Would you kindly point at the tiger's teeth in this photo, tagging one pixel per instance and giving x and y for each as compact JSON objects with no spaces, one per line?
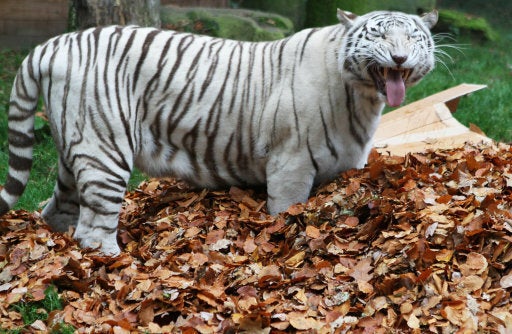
{"x":385,"y":72}
{"x":405,"y":74}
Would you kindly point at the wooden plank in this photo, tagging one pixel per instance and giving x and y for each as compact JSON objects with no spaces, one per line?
{"x":427,"y":123}
{"x":422,"y":113}
{"x":442,"y":97}
{"x":431,"y":117}
{"x":397,"y":123}
{"x":452,"y":141}
{"x":417,"y":131}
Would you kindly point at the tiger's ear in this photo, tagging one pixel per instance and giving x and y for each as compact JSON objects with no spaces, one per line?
{"x":430,"y":19}
{"x":346,"y":18}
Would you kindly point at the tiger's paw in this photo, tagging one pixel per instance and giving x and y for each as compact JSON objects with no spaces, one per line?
{"x":104,"y":243}
{"x":106,"y":248}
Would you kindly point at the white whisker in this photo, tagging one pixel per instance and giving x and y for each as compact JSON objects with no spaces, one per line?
{"x":443,"y":47}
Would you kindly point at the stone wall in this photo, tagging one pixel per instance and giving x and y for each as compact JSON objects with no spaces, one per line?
{"x":26,"y":23}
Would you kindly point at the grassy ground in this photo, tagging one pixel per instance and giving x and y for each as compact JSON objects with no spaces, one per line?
{"x":43,"y":174}
{"x":488,"y":63}
{"x":477,"y":62}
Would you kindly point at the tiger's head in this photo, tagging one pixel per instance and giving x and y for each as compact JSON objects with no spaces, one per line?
{"x":388,"y":50}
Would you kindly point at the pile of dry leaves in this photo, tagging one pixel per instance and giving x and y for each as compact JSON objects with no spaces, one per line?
{"x":421,"y":243}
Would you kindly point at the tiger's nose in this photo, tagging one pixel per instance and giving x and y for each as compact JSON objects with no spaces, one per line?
{"x":399,"y":59}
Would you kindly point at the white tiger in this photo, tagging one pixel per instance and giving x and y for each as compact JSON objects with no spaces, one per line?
{"x":287,"y":114}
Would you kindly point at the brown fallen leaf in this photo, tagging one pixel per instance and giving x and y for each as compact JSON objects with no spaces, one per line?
{"x":300,"y":321}
{"x":407,"y":244}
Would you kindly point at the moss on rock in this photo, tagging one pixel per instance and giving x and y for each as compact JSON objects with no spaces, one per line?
{"x":238,"y":24}
{"x":458,"y":23}
{"x":323,"y":12}
{"x":292,"y":9}
{"x":411,"y":6}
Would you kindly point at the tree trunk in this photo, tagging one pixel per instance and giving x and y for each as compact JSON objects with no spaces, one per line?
{"x":91,"y":13}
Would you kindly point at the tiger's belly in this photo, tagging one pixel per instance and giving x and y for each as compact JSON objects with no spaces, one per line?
{"x":201,"y":168}
{"x":348,"y":156}
{"x":223,"y":165}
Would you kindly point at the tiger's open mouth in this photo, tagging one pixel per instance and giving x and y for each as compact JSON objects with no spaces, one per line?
{"x":390,"y":82}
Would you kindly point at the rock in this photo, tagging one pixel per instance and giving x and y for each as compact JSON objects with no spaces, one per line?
{"x":458,"y":23}
{"x":293,"y":9}
{"x":238,"y":24}
{"x":323,"y":12}
{"x":411,"y":7}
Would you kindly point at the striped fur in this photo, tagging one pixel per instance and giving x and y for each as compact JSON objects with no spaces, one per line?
{"x":286,"y":114}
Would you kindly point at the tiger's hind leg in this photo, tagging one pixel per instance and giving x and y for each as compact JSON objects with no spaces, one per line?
{"x":101,"y":191}
{"x":62,"y":210}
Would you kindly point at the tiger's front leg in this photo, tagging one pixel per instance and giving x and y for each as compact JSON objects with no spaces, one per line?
{"x":98,"y":230}
{"x":289,"y":181}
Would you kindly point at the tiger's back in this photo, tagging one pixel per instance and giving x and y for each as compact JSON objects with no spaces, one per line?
{"x":226,"y":98}
{"x":215,"y":112}
{"x":200,"y":96}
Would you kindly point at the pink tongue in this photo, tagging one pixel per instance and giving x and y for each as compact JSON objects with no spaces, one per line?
{"x":395,"y":88}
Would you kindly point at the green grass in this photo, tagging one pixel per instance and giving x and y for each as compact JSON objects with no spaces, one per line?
{"x":44,"y":169}
{"x":31,"y":311}
{"x":478,"y":62}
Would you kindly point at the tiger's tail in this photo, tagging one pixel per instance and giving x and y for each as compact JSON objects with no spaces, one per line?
{"x":22,"y":108}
